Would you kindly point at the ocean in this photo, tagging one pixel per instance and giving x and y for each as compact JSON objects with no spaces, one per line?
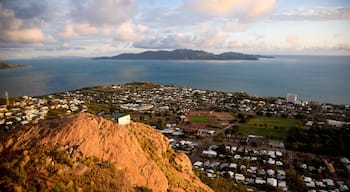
{"x":313,"y":78}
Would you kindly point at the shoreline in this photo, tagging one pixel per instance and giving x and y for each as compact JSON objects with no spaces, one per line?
{"x":7,"y":66}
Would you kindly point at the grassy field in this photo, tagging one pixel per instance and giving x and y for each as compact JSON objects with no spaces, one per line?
{"x":199,"y":119}
{"x":275,"y":128}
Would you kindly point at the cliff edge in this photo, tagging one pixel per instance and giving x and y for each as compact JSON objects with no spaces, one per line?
{"x":84,"y":152}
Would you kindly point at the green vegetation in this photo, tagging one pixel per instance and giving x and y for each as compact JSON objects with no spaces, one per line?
{"x":271,"y":127}
{"x":95,"y":108}
{"x":199,"y":119}
{"x":221,"y":184}
{"x":328,"y":141}
{"x":219,"y":137}
{"x":54,"y":113}
{"x":43,"y":169}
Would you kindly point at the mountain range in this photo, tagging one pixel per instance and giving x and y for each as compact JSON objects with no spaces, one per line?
{"x":184,"y":54}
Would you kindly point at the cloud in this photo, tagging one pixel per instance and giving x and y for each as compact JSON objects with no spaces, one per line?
{"x":239,"y":44}
{"x":68,"y":32}
{"x":243,"y":9}
{"x":62,"y":47}
{"x":27,"y":9}
{"x":129,"y":31}
{"x":235,"y":25}
{"x":292,"y":39}
{"x":112,"y":18}
{"x":103,"y":12}
{"x":338,"y":35}
{"x":32,"y":35}
{"x":14,"y":30}
{"x":206,"y":38}
{"x":313,"y":14}
{"x":170,"y":16}
{"x":171,"y":41}
{"x":35,"y":13}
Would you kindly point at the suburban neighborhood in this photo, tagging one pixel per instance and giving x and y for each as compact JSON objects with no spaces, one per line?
{"x":248,"y":140}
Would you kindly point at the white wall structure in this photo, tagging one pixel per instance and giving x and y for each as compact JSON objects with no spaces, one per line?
{"x":122,"y":119}
{"x":292,"y":98}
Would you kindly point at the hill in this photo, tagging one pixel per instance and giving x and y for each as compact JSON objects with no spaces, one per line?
{"x":184,"y":54}
{"x":84,"y":152}
{"x":5,"y":65}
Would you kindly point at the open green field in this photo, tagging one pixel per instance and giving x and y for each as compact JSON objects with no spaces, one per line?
{"x":199,"y":119}
{"x":272,"y":127}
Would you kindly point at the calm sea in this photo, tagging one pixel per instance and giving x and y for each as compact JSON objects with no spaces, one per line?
{"x":312,"y":78}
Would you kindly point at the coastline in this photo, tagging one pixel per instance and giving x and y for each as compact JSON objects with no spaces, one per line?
{"x":319,"y":79}
{"x":8,"y":66}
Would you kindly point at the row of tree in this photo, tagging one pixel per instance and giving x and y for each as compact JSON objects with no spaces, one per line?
{"x":328,"y":141}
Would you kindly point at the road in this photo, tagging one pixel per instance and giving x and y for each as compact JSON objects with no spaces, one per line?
{"x":203,"y":144}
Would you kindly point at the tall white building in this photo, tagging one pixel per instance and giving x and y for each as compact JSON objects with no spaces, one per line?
{"x":292,"y":98}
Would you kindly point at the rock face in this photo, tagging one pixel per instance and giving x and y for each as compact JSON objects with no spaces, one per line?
{"x":141,"y":153}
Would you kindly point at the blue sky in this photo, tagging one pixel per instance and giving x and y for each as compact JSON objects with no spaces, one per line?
{"x":32,"y":28}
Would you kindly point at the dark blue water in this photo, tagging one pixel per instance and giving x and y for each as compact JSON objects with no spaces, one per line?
{"x":313,"y":78}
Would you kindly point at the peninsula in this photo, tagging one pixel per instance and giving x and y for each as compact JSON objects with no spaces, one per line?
{"x":185,"y":54}
{"x":5,"y":65}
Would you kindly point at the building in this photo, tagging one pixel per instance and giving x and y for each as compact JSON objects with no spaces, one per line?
{"x":255,"y":140}
{"x":292,"y":98}
{"x":122,"y":119}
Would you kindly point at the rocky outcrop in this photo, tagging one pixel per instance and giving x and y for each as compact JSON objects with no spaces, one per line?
{"x":141,"y":153}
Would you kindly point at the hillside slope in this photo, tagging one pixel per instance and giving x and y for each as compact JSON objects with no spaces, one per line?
{"x":84,"y":152}
{"x":184,"y":54}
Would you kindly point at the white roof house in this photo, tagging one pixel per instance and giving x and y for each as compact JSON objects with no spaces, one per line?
{"x":282,"y":184}
{"x":270,"y":172}
{"x":272,"y":181}
{"x":233,"y":165}
{"x":239,"y":177}
{"x":198,"y":164}
{"x":210,"y":153}
{"x":259,"y":180}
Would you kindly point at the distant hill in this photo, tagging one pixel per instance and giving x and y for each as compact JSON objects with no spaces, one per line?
{"x":184,"y":54}
{"x":84,"y":152}
{"x":5,"y":65}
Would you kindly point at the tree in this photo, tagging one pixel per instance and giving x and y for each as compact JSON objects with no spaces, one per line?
{"x":296,"y":182}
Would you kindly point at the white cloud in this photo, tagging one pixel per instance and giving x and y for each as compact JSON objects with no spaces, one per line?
{"x":313,"y":14}
{"x":103,"y":12}
{"x":13,"y":30}
{"x":85,"y":29}
{"x":205,"y":38}
{"x":237,"y":44}
{"x":243,"y":9}
{"x":171,"y":41}
{"x":129,"y":31}
{"x":68,"y":32}
{"x":235,"y":25}
{"x":292,"y":39}
{"x":32,"y":35}
{"x":112,"y":18}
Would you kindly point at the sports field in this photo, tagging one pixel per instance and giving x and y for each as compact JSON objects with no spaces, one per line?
{"x":272,"y":127}
{"x":199,"y":119}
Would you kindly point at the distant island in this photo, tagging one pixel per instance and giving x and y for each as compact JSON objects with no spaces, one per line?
{"x":5,"y":65}
{"x":184,"y":54}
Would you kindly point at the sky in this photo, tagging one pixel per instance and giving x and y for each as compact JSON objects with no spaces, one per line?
{"x":35,"y":28}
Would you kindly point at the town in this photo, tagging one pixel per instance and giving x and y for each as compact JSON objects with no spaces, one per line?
{"x":259,"y":143}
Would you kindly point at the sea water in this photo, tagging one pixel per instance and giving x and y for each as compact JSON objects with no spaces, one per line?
{"x":312,"y":78}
